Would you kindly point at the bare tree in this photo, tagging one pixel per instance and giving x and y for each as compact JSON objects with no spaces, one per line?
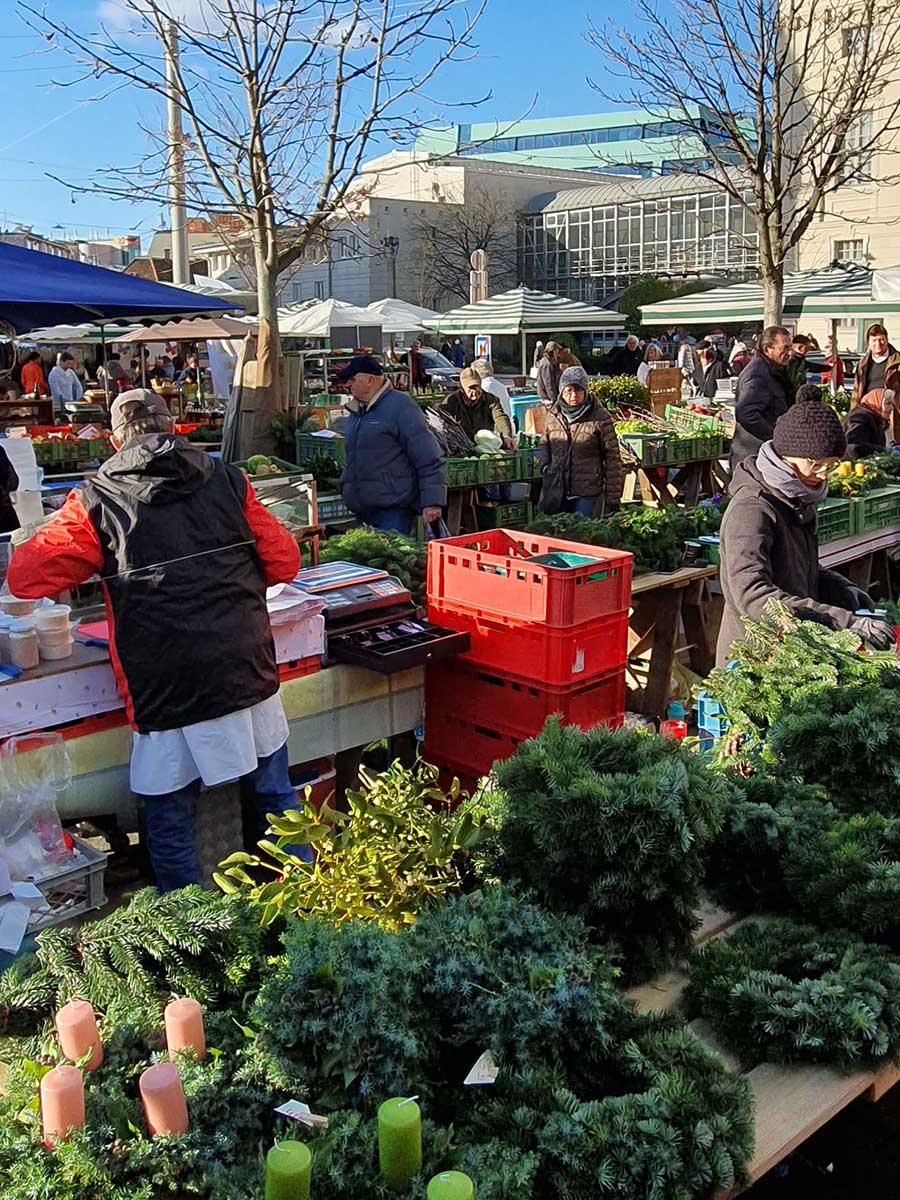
{"x":281,"y":102}
{"x":446,"y":237}
{"x":779,"y":102}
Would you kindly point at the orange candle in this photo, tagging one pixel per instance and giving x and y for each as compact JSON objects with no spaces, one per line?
{"x":78,"y":1036}
{"x":184,"y":1027}
{"x":162,"y":1095}
{"x":62,"y":1104}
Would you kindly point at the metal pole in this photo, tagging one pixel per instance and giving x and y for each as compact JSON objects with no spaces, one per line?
{"x":524,"y":354}
{"x":834,"y":356}
{"x":105,"y":364}
{"x":177,"y":208}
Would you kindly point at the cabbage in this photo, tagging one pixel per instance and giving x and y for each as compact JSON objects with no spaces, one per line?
{"x":488,"y":441}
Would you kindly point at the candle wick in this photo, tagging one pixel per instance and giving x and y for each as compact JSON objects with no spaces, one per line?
{"x":408,"y":1100}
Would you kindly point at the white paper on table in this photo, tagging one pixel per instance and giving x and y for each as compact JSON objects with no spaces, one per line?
{"x":13,"y":923}
{"x":291,"y":604}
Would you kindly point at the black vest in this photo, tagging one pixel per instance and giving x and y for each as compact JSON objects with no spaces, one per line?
{"x":185,"y":583}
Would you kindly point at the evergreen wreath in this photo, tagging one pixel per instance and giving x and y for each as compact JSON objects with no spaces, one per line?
{"x":612,"y":827}
{"x":785,"y":992}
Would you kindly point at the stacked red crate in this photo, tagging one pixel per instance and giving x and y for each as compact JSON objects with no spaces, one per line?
{"x":548,"y":622}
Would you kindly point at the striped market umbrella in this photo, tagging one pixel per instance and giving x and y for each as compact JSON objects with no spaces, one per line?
{"x":523,"y":311}
{"x":841,"y":290}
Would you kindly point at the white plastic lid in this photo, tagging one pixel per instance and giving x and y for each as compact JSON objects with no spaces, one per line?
{"x":20,"y":626}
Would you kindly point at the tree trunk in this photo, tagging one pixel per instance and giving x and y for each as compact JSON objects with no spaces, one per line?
{"x":773,"y":297}
{"x":261,"y":394}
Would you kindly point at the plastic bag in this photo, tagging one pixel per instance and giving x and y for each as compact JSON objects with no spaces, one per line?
{"x":436,"y":530}
{"x":36,"y":769}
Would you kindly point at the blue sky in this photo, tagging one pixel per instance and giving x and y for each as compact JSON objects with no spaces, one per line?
{"x":532,"y":55}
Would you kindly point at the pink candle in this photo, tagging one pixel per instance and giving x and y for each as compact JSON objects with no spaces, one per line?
{"x":184,"y":1027}
{"x":62,"y":1104}
{"x":162,"y":1095}
{"x":78,"y":1035}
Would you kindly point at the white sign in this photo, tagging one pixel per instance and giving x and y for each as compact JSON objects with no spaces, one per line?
{"x":483,"y":345}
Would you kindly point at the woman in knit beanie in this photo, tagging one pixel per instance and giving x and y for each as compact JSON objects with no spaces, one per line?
{"x":769,"y":548}
{"x":579,"y":452}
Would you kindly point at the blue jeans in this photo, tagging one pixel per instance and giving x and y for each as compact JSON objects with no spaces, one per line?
{"x":389,"y":518}
{"x":583,"y":505}
{"x":170,"y":819}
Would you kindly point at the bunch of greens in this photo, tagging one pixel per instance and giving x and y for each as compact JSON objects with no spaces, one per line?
{"x":851,"y":479}
{"x":840,"y":401}
{"x":127,"y":964}
{"x":619,"y":391}
{"x":398,"y":850}
{"x":634,"y":427}
{"x":782,"y":991}
{"x":385,"y":550}
{"x":613,"y":827}
{"x":782,"y":659}
{"x":325,"y":469}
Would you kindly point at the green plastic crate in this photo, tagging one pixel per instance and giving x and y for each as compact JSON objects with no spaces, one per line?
{"x":500,"y":470}
{"x":464,"y":472}
{"x":514,"y":515}
{"x":310,"y":443}
{"x":836,"y":519}
{"x":284,"y":468}
{"x":692,"y":422}
{"x":528,"y":465}
{"x":877,"y":509}
{"x":332,"y":508}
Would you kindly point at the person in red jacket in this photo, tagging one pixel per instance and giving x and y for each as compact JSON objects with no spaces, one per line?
{"x":185,"y":552}
{"x":32,"y":376}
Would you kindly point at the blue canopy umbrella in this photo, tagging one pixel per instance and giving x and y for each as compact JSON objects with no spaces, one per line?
{"x":42,"y":289}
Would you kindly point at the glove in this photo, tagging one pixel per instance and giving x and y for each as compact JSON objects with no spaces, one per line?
{"x":876,"y":634}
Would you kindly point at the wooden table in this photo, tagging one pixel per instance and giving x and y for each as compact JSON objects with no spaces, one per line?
{"x":864,"y":559}
{"x":790,"y":1101}
{"x":662,"y":604}
{"x":690,"y":483}
{"x":36,"y":412}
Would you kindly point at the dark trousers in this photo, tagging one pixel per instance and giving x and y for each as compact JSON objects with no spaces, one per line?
{"x":399,"y":519}
{"x":171,"y":819}
{"x":583,"y":505}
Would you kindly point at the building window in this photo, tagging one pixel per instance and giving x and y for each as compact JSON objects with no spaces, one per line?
{"x":319,"y":289}
{"x":348,"y":245}
{"x":859,"y":150}
{"x":850,"y":250}
{"x":856,"y":40}
{"x":297,"y":292}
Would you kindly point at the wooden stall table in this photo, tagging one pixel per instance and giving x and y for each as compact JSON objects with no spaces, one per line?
{"x":790,"y":1101}
{"x":662,"y":604}
{"x":26,"y":411}
{"x":461,"y":515}
{"x":863,"y":558}
{"x":690,"y":483}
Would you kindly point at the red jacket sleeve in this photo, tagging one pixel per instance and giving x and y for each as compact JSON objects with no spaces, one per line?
{"x":64,"y":553}
{"x":277,"y":549}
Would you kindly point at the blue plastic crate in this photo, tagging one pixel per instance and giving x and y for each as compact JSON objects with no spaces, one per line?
{"x":711,"y":717}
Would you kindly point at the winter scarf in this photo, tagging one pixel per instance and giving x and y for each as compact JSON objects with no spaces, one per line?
{"x":781,"y":478}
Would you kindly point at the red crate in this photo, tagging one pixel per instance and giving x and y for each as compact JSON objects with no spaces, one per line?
{"x":515,"y":707}
{"x":537,"y":654}
{"x":488,"y":573}
{"x":448,"y":771}
{"x":449,"y":738}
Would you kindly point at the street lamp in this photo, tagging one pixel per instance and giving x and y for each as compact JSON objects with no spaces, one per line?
{"x":390,"y":245}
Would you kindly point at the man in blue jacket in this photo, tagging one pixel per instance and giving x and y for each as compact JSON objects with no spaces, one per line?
{"x":395,"y":468}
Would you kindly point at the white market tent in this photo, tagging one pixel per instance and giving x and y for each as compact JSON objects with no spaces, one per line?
{"x":525,"y":311}
{"x":841,"y":290}
{"x":75,"y":335}
{"x":399,"y":316}
{"x":321,"y":318}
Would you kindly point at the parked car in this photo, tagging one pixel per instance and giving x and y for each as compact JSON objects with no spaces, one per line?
{"x":439,"y":369}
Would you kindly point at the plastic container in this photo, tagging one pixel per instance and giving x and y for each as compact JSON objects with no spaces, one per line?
{"x":489,"y":573}
{"x":20,"y":452}
{"x":53,"y":618}
{"x":674,"y":729}
{"x":538,"y":654}
{"x":464,"y":472}
{"x":311,"y":443}
{"x":515,"y":514}
{"x":54,"y":644}
{"x":23,"y":644}
{"x":5,"y":622}
{"x":877,"y":509}
{"x":16,"y":608}
{"x":516,"y":707}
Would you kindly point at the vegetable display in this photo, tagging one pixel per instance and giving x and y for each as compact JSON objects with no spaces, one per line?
{"x":385,"y":550}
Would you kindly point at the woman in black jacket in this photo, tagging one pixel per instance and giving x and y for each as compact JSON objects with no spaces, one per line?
{"x":9,"y":482}
{"x":769,"y":546}
{"x":866,"y":424}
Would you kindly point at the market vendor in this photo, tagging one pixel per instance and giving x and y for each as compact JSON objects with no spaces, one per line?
{"x":867,"y":423}
{"x":185,"y":552}
{"x":761,"y":394}
{"x":473,"y":408}
{"x":395,"y":467}
{"x":579,"y":452}
{"x":769,"y":548}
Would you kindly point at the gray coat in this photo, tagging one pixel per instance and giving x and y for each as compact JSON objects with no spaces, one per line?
{"x":760,"y":399}
{"x":548,"y":373}
{"x":770,"y":551}
{"x":393,"y":458}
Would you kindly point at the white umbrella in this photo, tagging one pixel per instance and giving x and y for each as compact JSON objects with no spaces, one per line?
{"x":316,"y":320}
{"x":399,"y":316}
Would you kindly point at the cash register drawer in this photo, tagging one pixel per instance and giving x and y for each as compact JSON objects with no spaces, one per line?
{"x":389,"y":648}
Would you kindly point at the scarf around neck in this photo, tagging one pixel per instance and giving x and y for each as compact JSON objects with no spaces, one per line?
{"x":575,"y":412}
{"x":780,"y":477}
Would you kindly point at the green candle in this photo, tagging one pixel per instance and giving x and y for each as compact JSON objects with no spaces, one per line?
{"x":451,"y":1185}
{"x":399,"y":1142}
{"x":288,"y":1171}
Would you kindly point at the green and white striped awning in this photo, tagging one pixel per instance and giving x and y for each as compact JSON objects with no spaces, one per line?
{"x":523,"y":310}
{"x":841,"y":290}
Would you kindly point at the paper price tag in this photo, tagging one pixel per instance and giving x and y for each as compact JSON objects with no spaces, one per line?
{"x":484,"y":1071}
{"x":297,"y":1111}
